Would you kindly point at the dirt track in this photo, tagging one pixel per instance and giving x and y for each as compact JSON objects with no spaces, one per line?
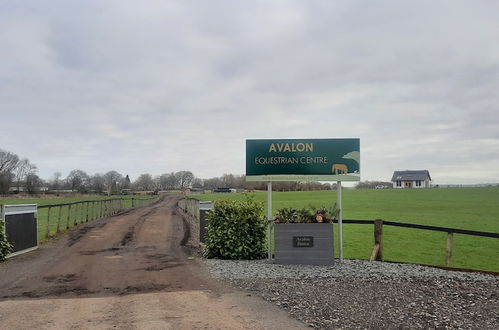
{"x":128,"y":271}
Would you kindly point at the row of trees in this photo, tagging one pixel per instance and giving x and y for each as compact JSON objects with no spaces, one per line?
{"x":239,"y":182}
{"x":113,"y":182}
{"x":20,"y":173}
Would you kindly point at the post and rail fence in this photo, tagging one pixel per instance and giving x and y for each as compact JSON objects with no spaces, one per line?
{"x":377,"y":253}
{"x":191,"y":206}
{"x":61,"y":217}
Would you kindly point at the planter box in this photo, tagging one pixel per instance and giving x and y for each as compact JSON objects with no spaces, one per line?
{"x":304,"y":243}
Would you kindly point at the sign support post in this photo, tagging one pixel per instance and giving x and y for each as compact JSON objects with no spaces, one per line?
{"x":269,"y":218}
{"x":340,"y":221}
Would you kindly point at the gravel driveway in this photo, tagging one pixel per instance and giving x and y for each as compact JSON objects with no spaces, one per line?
{"x":374,"y":295}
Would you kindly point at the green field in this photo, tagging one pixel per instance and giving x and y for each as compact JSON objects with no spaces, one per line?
{"x":464,"y":208}
{"x":70,"y":217}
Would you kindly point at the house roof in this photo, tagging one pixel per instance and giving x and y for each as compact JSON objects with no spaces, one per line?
{"x":411,"y":175}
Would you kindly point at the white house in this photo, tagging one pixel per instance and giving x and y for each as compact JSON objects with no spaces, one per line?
{"x":411,"y":179}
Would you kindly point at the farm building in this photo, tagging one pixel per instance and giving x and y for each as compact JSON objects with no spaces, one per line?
{"x":411,"y":179}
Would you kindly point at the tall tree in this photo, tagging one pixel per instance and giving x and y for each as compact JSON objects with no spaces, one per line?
{"x":126,"y":182}
{"x":144,"y":182}
{"x":97,"y":183}
{"x":112,"y":180}
{"x":171,"y":181}
{"x":56,"y":180}
{"x":184,"y":179}
{"x":23,"y":169}
{"x":197,"y":183}
{"x":167,"y":181}
{"x":33,"y":183}
{"x":8,"y":163}
{"x":77,"y":179}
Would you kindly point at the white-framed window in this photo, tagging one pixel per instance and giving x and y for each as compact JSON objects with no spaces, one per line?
{"x":418,"y":183}
{"x":399,"y":183}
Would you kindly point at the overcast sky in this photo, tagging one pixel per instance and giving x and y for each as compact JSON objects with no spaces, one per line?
{"x":161,"y":86}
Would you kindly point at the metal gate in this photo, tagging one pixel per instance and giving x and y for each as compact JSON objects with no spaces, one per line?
{"x":21,"y":227}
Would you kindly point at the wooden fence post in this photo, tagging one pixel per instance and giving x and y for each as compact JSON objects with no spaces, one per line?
{"x":75,"y":221}
{"x":448,"y":253}
{"x":82,"y":212}
{"x":377,"y":253}
{"x":47,"y":234}
{"x":58,"y":230}
{"x":86,"y":217}
{"x":67,"y":218}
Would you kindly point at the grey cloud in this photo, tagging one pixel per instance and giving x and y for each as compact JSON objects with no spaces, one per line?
{"x":180,"y":85}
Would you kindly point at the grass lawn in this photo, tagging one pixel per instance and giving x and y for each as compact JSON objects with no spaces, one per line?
{"x":68,"y":217}
{"x":465,"y":208}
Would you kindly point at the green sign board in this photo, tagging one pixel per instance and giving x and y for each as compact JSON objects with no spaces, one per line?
{"x":303,"y":160}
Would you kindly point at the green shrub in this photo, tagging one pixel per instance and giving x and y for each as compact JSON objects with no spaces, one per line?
{"x":5,"y":247}
{"x":236,"y":230}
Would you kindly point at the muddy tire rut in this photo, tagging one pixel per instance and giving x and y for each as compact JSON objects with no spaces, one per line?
{"x":90,"y":278}
{"x":113,"y":255}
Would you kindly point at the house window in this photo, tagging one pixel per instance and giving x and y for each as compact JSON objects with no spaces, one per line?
{"x":399,"y":183}
{"x":418,"y":183}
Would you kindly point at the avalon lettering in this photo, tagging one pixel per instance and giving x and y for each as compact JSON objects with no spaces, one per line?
{"x":291,"y":147}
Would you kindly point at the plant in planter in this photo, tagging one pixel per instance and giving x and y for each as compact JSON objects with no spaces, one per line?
{"x":307,"y":215}
{"x":305,"y":236}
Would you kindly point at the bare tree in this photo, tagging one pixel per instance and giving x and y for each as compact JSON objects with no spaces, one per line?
{"x":126,"y":183}
{"x":8,"y":163}
{"x":56,"y":180}
{"x":77,"y":179}
{"x":184,"y":179}
{"x":171,"y":181}
{"x":112,"y":180}
{"x":144,"y":182}
{"x":167,"y":181}
{"x":197,"y":183}
{"x":23,"y":169}
{"x":33,"y":183}
{"x":97,"y":183}
{"x":157,"y":182}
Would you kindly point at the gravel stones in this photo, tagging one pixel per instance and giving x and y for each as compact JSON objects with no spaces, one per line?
{"x":362,"y":294}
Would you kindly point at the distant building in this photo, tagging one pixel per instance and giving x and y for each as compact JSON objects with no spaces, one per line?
{"x":411,"y":179}
{"x":223,"y":190}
